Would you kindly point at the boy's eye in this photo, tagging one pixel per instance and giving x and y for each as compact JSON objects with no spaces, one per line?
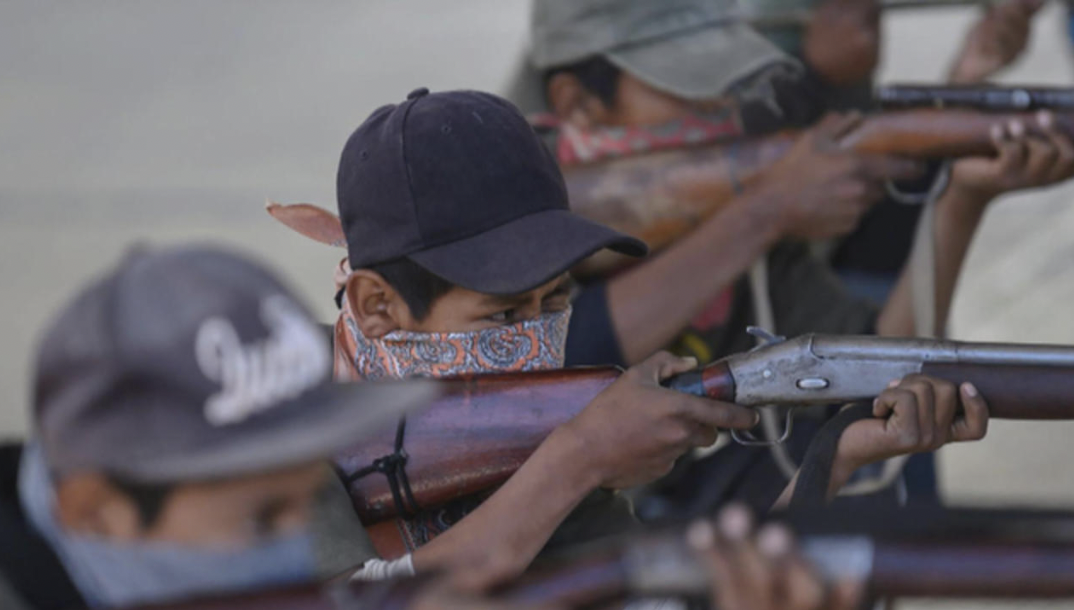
{"x":502,"y":317}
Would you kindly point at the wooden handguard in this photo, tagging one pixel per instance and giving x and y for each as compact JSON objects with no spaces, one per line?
{"x":1015,"y":392}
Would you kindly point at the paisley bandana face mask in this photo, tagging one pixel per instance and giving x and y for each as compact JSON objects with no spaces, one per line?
{"x":533,"y":345}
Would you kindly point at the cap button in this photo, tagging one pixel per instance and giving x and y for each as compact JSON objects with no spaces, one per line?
{"x":419,"y":92}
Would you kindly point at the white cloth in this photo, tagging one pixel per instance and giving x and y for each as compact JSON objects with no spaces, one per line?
{"x":380,"y":569}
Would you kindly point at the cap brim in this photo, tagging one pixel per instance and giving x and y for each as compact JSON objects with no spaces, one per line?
{"x":524,"y":253}
{"x":701,"y":64}
{"x":316,"y":425}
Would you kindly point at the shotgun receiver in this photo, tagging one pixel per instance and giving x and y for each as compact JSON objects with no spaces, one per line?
{"x":484,"y":427}
{"x":992,"y":99}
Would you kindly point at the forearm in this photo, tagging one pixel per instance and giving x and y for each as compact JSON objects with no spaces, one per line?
{"x":651,"y":303}
{"x":958,"y":214}
{"x":512,"y":525}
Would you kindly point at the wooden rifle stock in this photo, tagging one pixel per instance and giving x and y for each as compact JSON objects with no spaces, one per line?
{"x":661,"y":196}
{"x":473,"y":438}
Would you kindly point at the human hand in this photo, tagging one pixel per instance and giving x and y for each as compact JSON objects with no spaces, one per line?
{"x":917,"y":413}
{"x":635,"y":429}
{"x":763,"y":571}
{"x":996,"y":40}
{"x":842,"y":41}
{"x":1022,"y":161}
{"x":820,"y":190}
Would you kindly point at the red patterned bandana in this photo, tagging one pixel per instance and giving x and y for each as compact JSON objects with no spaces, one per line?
{"x":576,"y":147}
{"x":533,"y":345}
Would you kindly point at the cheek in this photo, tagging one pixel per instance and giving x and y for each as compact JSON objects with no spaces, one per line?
{"x":645,"y":107}
{"x":201,"y":522}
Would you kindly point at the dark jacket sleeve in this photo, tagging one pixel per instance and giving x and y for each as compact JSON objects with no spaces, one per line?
{"x":591,"y":337}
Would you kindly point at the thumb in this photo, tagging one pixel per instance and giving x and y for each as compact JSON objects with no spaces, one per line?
{"x":662,"y":365}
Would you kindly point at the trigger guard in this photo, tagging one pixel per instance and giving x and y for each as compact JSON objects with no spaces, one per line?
{"x":748,"y":439}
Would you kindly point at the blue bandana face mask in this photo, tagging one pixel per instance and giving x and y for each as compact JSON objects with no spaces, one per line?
{"x":110,"y":574}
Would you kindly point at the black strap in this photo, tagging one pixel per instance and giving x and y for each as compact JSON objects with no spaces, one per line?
{"x":393,"y":466}
{"x":815,"y":473}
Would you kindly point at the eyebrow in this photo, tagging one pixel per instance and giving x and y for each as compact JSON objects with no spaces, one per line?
{"x":511,"y":300}
{"x":499,"y":300}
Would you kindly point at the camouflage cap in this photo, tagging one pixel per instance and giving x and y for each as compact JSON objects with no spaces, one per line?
{"x":693,"y":49}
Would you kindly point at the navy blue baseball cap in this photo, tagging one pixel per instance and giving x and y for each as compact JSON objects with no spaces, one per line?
{"x":459,"y":183}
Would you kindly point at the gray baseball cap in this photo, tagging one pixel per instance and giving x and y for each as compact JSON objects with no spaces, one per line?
{"x":194,"y":363}
{"x":693,"y":49}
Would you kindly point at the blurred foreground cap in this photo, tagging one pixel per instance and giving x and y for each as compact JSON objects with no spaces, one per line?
{"x":194,"y":363}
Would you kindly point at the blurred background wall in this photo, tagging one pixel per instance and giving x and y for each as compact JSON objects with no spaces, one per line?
{"x":125,"y":122}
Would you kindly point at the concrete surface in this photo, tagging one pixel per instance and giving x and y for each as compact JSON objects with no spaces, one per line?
{"x":123,"y":122}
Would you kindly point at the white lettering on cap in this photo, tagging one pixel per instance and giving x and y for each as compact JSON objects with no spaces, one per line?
{"x":253,"y":378}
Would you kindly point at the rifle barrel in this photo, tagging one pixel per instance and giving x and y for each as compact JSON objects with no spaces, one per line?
{"x":994,"y":99}
{"x":800,"y":17}
{"x":1001,"y":555}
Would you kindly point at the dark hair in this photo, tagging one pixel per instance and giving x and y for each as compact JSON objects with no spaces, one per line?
{"x":596,"y":74}
{"x":419,"y":287}
{"x":148,"y":498}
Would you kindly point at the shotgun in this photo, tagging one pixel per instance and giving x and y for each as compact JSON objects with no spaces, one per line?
{"x":483,"y":427}
{"x":979,"y":553}
{"x":965,"y":553}
{"x":988,"y":98}
{"x":660,"y":196}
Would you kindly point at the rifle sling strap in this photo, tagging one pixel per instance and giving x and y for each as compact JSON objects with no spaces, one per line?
{"x":393,"y":467}
{"x":815,"y":474}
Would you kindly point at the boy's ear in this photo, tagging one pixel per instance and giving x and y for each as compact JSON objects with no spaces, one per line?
{"x":378,"y":309}
{"x":572,"y":103}
{"x":87,"y":503}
